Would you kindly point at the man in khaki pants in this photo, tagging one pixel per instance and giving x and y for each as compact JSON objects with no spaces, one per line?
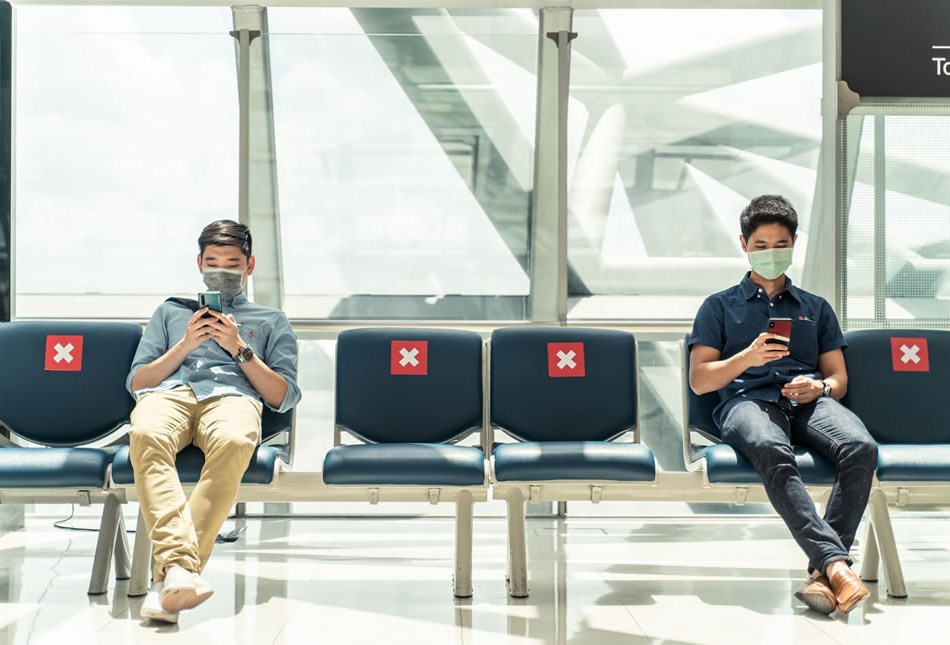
{"x":201,"y":377}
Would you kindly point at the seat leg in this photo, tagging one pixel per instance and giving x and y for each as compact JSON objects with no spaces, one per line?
{"x":123,"y":560}
{"x":517,"y":549}
{"x":884,"y":534}
{"x":141,"y":560}
{"x":102,"y":560}
{"x":870,"y":555}
{"x":463,"y":544}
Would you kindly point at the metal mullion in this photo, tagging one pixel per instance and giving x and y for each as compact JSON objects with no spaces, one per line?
{"x":257,"y":198}
{"x":548,"y":251}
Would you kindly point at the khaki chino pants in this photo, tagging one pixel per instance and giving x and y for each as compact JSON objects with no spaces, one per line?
{"x":227,"y":429}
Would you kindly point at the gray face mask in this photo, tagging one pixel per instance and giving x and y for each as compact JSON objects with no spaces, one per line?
{"x":229,"y":282}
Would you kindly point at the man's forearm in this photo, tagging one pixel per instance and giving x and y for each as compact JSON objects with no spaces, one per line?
{"x":161,"y":368}
{"x":269,"y":384}
{"x":715,"y":375}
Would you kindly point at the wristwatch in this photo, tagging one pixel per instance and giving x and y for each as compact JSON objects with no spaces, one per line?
{"x":826,"y":390}
{"x":244,"y":354}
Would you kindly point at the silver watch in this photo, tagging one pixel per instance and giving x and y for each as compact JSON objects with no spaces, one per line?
{"x":244,"y":354}
{"x":826,"y":390}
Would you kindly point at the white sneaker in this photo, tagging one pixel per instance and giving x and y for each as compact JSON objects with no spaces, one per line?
{"x":183,"y":589}
{"x":152,"y":607}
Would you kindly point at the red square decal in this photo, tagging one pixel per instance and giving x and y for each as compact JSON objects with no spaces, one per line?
{"x":63,"y":354}
{"x":910,"y":355}
{"x":565,"y":359}
{"x":409,"y":357}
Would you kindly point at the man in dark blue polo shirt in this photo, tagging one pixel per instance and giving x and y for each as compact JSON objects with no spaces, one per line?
{"x":775,"y":394}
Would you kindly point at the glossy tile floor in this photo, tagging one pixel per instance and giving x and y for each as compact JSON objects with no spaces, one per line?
{"x":382,"y":580}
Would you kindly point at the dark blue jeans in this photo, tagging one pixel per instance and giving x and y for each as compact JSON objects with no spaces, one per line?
{"x":764,"y":433}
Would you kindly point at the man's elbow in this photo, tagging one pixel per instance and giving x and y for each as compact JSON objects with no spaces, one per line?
{"x":697,"y":386}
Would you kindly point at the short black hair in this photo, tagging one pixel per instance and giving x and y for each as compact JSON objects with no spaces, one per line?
{"x":225,"y":232}
{"x":768,"y":209}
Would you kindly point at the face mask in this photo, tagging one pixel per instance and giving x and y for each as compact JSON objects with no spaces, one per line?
{"x":771,"y":263}
{"x":228,"y":281}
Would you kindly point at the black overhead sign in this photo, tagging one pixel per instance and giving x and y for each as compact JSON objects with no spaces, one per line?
{"x":895,"y":48}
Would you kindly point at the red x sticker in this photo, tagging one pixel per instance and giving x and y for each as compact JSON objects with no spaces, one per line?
{"x":565,"y":359}
{"x":910,"y":355}
{"x":63,"y":354}
{"x":409,"y":357}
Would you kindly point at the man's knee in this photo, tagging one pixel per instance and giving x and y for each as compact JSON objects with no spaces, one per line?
{"x":145,"y":441}
{"x":863,"y":450}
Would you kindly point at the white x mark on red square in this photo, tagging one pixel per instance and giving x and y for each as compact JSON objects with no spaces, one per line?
{"x":63,"y":354}
{"x":409,"y":357}
{"x":565,"y":359}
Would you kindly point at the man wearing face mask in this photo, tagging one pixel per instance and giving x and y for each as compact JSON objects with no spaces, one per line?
{"x":201,"y":377}
{"x":775,"y":395}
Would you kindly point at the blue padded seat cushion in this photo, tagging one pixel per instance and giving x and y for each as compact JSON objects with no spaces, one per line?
{"x":53,"y":467}
{"x":725,"y":466}
{"x":530,"y":404}
{"x":65,"y":408}
{"x":913,"y":462}
{"x":585,"y":460}
{"x":191,"y":460}
{"x":898,"y":407}
{"x":411,"y":464}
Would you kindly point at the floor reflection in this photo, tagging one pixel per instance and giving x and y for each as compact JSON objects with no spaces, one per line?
{"x":384,"y":580}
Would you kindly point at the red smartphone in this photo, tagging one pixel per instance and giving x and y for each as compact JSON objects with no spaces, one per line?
{"x":781,"y":327}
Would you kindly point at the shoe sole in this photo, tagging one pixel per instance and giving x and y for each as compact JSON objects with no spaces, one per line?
{"x":181,"y":599}
{"x":817,"y":602}
{"x":160,"y":615}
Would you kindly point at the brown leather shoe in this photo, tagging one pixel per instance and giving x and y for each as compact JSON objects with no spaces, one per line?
{"x":817,"y":595}
{"x":848,"y":589}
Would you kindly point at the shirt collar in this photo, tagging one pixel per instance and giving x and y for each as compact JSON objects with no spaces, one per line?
{"x":237,"y":300}
{"x":749,"y":288}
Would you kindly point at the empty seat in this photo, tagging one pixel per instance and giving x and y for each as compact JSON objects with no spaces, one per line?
{"x":406,"y":397}
{"x":565,"y":395}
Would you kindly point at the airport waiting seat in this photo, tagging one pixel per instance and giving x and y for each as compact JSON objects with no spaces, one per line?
{"x":62,"y":387}
{"x":722,"y":465}
{"x":565,"y":395}
{"x":408,"y":396}
{"x":273,"y":456}
{"x":897,"y":379}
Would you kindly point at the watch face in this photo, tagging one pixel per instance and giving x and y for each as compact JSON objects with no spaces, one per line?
{"x":245,"y":354}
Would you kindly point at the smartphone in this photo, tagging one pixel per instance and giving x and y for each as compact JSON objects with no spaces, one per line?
{"x":782,"y":327}
{"x":211,"y":300}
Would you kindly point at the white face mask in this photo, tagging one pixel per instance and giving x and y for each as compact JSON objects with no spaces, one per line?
{"x":230,"y":282}
{"x":771,"y":263}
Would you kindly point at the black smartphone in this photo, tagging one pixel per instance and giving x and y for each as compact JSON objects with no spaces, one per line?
{"x":782,"y":327}
{"x":211,"y":300}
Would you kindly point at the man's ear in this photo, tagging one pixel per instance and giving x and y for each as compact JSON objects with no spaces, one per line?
{"x":199,"y":263}
{"x":745,"y":249}
{"x":250,"y":265}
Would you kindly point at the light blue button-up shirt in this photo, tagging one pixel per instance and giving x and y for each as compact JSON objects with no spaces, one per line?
{"x":209,"y":370}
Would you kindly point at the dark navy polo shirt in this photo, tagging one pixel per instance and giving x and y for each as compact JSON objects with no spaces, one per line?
{"x":731,"y":319}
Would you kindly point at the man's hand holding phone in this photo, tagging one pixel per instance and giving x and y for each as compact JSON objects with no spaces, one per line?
{"x":803,"y":389}
{"x":199,"y":329}
{"x":764,"y":349}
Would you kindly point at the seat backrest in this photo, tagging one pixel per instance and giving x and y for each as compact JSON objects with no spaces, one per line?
{"x":563,"y":383}
{"x":897,"y":379}
{"x":63,"y":383}
{"x":698,"y":407}
{"x":405,"y":385}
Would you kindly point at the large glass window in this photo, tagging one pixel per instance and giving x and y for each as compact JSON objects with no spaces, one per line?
{"x":126,"y":146}
{"x":677,"y":118}
{"x":897,"y":219}
{"x":404,"y":141}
